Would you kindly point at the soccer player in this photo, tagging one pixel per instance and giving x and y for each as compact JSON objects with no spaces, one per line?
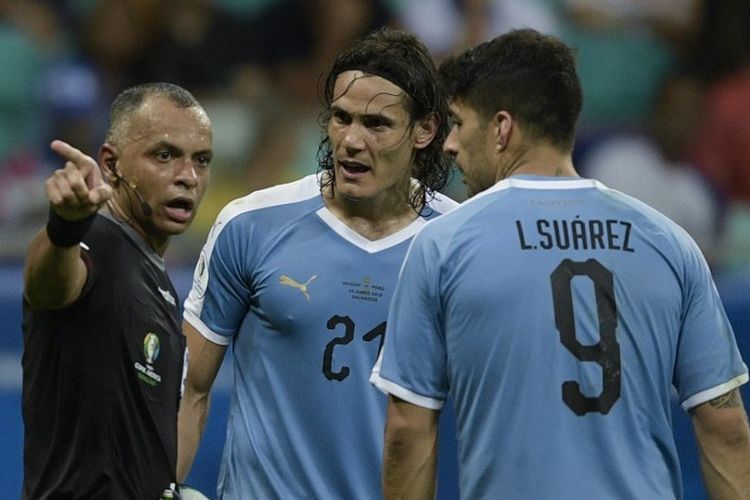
{"x":556,"y":313}
{"x":297,"y":278}
{"x":103,"y":350}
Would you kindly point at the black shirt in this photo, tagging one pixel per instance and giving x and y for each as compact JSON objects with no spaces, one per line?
{"x":102,"y":377}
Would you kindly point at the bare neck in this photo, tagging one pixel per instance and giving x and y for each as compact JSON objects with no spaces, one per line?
{"x":543,"y":160}
{"x":374,"y":218}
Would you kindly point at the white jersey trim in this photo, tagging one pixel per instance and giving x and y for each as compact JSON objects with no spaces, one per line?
{"x":540,"y":183}
{"x":546,"y":183}
{"x":440,"y":203}
{"x":714,"y":392}
{"x":369,"y":246}
{"x":388,"y":387}
{"x":205,"y":331}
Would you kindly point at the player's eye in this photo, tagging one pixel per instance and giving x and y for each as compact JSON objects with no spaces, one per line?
{"x":375,"y":122}
{"x":339,"y":116}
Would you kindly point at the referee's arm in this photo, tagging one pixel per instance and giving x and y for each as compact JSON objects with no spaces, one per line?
{"x":54,"y":274}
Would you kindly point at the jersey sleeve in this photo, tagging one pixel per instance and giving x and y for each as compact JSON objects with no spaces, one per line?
{"x":412,"y":365}
{"x":708,"y":361}
{"x":220,"y":294}
{"x":96,"y":250}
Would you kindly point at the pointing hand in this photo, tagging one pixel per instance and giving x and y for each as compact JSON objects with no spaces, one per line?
{"x":77,"y":190}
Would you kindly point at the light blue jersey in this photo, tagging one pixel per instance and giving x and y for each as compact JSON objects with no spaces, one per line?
{"x":559,"y":314}
{"x":303,"y":300}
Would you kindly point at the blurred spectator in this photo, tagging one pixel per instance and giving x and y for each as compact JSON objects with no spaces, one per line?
{"x":198,"y":46}
{"x":723,"y":152}
{"x":722,"y":148}
{"x":21,"y":60}
{"x":296,"y":41}
{"x":449,"y":26}
{"x":654,"y":165}
{"x":722,"y":44}
{"x":32,"y":35}
{"x":288,"y":45}
{"x":625,"y":48}
{"x":116,"y":38}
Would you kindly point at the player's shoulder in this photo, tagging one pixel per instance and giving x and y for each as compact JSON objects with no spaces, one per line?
{"x":271,"y":206}
{"x":300,"y":190}
{"x":652,"y":226}
{"x":649,"y":218}
{"x":454,"y":213}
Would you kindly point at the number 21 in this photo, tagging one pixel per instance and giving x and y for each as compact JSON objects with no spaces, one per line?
{"x":347,"y":337}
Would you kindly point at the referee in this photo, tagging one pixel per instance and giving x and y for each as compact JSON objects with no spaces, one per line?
{"x":103,"y":351}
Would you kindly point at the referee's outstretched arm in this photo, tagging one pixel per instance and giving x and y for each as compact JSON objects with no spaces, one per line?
{"x":54,"y":273}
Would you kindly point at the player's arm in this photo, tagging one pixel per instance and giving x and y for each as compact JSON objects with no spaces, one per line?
{"x":723,"y":436}
{"x":54,"y":274}
{"x":204,"y":361}
{"x":410,"y":451}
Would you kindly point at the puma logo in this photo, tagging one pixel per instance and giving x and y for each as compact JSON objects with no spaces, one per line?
{"x":302,"y":287}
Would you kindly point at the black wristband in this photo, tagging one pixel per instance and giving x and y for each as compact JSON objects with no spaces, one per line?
{"x":67,"y":233}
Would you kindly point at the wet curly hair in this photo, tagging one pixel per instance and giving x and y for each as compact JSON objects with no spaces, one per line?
{"x":402,"y":59}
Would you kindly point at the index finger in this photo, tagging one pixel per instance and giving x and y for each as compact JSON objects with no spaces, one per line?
{"x":72,"y":154}
{"x":83,"y":162}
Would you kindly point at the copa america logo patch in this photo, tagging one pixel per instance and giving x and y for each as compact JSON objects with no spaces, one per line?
{"x":151,"y":348}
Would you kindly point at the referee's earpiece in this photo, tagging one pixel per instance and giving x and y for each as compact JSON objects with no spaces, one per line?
{"x":145,"y":207}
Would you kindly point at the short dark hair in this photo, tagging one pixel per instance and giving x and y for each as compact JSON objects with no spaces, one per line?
{"x":402,"y":59}
{"x":130,"y":100}
{"x":531,"y":75}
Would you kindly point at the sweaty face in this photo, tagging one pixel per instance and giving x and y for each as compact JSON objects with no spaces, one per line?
{"x":165,"y":150}
{"x":372,"y":141}
{"x":470,"y":143}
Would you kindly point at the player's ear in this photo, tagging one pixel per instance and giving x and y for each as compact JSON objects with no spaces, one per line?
{"x":425,"y":130}
{"x":502,"y":127}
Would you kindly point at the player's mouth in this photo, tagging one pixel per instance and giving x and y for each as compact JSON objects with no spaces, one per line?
{"x":180,"y":209}
{"x":353,"y":169}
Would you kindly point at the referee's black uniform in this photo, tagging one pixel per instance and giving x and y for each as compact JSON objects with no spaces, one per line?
{"x":101,"y":378}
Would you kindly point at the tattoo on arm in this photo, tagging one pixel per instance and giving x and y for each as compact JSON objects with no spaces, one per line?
{"x":728,"y":400}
